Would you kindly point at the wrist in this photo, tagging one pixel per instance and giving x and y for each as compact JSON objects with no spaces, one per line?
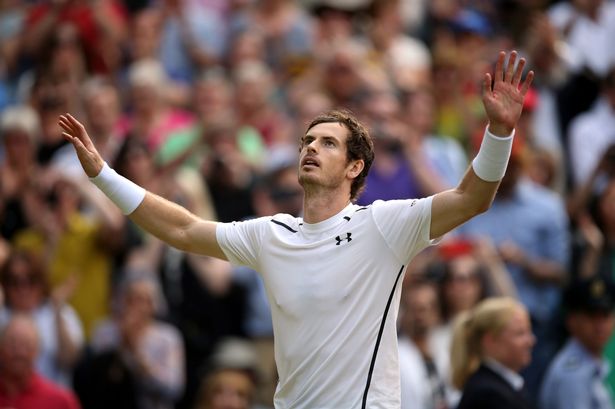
{"x":492,"y":159}
{"x":499,"y":130}
{"x":126,"y":194}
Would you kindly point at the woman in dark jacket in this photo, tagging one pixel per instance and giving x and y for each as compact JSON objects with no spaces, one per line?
{"x":491,"y":344}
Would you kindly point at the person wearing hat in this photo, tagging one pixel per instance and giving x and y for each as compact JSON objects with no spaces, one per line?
{"x":575,"y":378}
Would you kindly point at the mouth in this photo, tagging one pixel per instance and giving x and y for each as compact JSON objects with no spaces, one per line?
{"x":309,"y":162}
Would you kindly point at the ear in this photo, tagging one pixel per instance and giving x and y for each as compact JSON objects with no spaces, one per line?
{"x":487,"y":342}
{"x":355,"y":168}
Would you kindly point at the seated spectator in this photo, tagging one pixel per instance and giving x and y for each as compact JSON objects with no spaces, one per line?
{"x":21,"y":386}
{"x":26,"y":292}
{"x":20,"y":131}
{"x":152,"y":350}
{"x":491,"y":344}
{"x":575,"y":378}
{"x":232,"y":379}
{"x":422,"y":384}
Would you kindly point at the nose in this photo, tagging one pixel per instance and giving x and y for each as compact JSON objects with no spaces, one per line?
{"x":311,"y":147}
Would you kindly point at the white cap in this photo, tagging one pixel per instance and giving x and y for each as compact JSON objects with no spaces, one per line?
{"x":21,"y":118}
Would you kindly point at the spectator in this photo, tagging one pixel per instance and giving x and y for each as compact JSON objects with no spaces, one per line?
{"x":102,"y":109}
{"x":24,"y":284}
{"x":422,"y":383}
{"x":576,"y":376}
{"x":491,"y":344}
{"x":231,"y":382}
{"x":20,"y":131}
{"x":288,"y":32}
{"x":152,"y":350}
{"x":75,"y":247}
{"x":21,"y":386}
{"x":406,"y":59}
{"x":592,"y":132}
{"x":152,"y":118}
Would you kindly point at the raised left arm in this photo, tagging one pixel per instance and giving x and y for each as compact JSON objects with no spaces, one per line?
{"x":503,"y":101}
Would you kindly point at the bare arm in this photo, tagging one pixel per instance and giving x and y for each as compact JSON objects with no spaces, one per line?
{"x":164,"y":219}
{"x":177,"y":226}
{"x":503,"y":101}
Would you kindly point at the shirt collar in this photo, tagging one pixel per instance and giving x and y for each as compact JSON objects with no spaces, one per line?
{"x":513,"y":378}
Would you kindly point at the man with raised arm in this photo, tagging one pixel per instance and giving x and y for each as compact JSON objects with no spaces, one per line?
{"x":333,"y":276}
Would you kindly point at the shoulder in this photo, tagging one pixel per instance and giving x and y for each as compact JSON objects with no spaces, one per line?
{"x":55,"y":397}
{"x":590,"y":120}
{"x":569,"y":364}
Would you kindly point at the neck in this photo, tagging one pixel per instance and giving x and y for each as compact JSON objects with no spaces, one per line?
{"x":319,"y":206}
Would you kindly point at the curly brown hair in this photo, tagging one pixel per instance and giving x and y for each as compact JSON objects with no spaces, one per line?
{"x":359,"y":144}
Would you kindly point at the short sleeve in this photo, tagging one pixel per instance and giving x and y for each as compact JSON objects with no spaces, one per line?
{"x":241,"y":241}
{"x":404,"y":224}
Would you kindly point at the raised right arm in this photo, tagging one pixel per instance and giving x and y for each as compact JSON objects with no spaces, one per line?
{"x":164,"y":219}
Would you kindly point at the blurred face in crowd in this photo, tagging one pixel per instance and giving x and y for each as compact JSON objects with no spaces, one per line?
{"x":140,"y":299}
{"x":22,"y":286}
{"x":145,"y":34}
{"x":103,"y":109}
{"x":512,"y":346}
{"x":462,"y":287}
{"x":18,"y":147}
{"x":592,"y":329}
{"x":18,"y":349}
{"x":420,"y":111}
{"x":228,"y":389}
{"x":341,"y":77}
{"x":421,"y":309}
{"x":212,"y":98}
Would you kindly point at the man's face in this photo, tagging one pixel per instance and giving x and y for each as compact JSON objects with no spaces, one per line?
{"x":323,"y":160}
{"x":18,"y":349}
{"x":592,"y":329}
{"x":422,"y":312}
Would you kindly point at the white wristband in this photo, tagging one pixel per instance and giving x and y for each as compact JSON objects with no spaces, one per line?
{"x":126,"y":194}
{"x":492,"y":159}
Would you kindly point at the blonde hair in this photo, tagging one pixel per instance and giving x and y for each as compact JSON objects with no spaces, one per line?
{"x":490,"y":316}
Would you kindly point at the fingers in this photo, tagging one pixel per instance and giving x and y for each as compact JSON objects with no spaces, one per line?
{"x":518,"y":73}
{"x":514,"y":71}
{"x":510,"y":67}
{"x":526,"y":84}
{"x":499,"y":66}
{"x":487,"y":84}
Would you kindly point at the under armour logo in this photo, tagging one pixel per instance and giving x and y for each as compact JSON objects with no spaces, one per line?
{"x":340,"y":240}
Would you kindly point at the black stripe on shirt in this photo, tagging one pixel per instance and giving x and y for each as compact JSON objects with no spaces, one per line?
{"x":287,"y":227}
{"x":384,"y":317}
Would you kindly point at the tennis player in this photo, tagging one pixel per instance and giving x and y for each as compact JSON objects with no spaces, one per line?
{"x":332,"y":277}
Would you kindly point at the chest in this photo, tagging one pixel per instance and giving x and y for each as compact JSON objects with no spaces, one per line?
{"x":335,"y":270}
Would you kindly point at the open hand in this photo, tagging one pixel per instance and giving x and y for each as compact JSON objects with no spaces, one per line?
{"x":75,"y":133}
{"x":502,"y":95}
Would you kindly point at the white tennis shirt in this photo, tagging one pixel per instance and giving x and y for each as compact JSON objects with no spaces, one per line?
{"x":334,"y":290}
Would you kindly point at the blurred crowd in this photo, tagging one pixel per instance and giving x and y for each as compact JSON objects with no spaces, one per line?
{"x":203,"y":102}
